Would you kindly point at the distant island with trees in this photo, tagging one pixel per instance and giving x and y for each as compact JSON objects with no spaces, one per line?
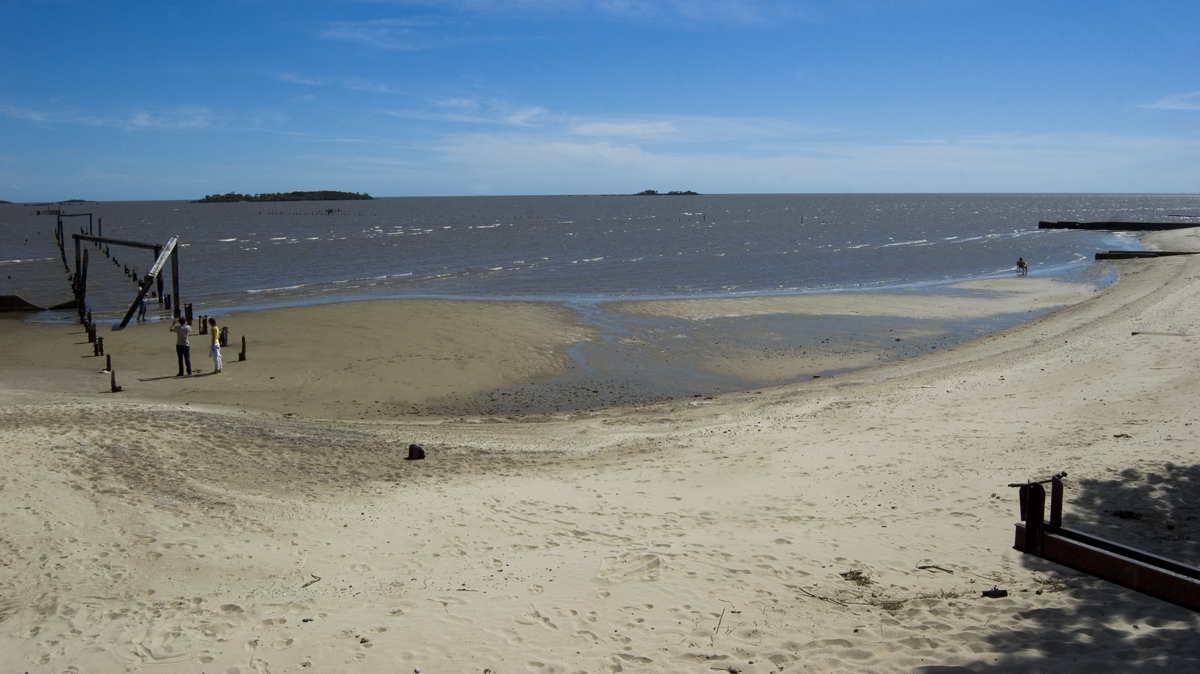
{"x":656,"y":193}
{"x":321,"y":195}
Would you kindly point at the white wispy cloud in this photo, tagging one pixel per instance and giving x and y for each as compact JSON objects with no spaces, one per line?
{"x":474,"y":111}
{"x":26,"y":114}
{"x":694,"y":129}
{"x":353,"y":84}
{"x":370,"y":87}
{"x":1189,"y":101}
{"x":192,"y":118}
{"x":979,"y":163}
{"x":165,"y":118}
{"x":626,"y":129}
{"x":407,"y":35}
{"x":297,"y":78}
{"x":696,"y":11}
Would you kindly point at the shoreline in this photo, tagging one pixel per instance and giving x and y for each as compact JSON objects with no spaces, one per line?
{"x":670,"y":536}
{"x":1073,"y":272}
{"x":391,"y":359}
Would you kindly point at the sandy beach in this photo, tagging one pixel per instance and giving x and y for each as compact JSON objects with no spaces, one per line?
{"x":265,"y":520}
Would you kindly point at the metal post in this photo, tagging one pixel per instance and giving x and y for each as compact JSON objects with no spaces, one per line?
{"x":1056,"y":499}
{"x":1035,"y":519}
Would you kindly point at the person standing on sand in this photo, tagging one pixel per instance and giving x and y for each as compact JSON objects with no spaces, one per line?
{"x":215,"y":349}
{"x":183,"y":350}
{"x":1022,"y":266}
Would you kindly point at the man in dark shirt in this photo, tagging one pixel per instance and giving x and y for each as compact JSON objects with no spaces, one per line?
{"x":183,"y":350}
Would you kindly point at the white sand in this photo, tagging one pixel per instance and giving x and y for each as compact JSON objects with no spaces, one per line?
{"x":690,"y":536}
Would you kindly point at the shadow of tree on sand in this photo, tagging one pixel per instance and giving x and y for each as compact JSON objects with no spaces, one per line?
{"x":1094,"y":626}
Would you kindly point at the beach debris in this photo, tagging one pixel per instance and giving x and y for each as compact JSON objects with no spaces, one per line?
{"x":1126,"y":514}
{"x":995,"y":593}
{"x":816,"y":596}
{"x":415,"y":453}
{"x":315,"y":579}
{"x":857,"y":577}
{"x":934,"y":567}
{"x":1122,"y":435}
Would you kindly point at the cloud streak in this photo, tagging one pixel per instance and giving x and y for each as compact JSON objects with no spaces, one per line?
{"x":473,"y":111}
{"x":167,"y":118}
{"x":968,"y":163}
{"x":745,"y":12}
{"x":1188,"y":101}
{"x":402,"y":35}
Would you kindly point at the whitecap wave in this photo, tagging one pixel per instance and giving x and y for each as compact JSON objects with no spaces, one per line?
{"x":32,"y":259}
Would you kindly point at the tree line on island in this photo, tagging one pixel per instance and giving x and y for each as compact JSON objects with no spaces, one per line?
{"x":656,"y":193}
{"x":320,"y":195}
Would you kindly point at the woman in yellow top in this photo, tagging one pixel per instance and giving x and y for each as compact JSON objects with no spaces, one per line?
{"x":215,"y":350}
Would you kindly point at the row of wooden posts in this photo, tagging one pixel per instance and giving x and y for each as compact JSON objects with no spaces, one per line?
{"x":97,"y":343}
{"x":79,"y":285}
{"x":161,"y":253}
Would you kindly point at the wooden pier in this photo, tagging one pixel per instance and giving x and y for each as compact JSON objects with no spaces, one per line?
{"x":1117,"y":226}
{"x":1134,"y":254}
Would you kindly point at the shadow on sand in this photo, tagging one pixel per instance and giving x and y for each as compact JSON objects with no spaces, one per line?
{"x":1157,"y":510}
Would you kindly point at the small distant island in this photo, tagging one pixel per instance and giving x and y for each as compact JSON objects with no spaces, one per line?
{"x":321,"y":195}
{"x":4,"y":202}
{"x":656,"y":193}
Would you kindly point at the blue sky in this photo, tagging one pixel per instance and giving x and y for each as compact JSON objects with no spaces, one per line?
{"x":175,"y":100}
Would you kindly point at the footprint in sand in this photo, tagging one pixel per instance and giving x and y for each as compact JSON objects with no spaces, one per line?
{"x":534,"y":617}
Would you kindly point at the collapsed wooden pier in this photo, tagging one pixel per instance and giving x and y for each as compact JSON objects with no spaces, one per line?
{"x":162,"y":253}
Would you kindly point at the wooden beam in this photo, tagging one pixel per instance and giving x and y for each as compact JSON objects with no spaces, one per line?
{"x":167,"y":251}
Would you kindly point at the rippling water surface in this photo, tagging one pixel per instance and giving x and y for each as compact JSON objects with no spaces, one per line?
{"x":575,"y":248}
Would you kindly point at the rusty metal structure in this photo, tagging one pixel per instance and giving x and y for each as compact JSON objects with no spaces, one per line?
{"x":1128,"y":567}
